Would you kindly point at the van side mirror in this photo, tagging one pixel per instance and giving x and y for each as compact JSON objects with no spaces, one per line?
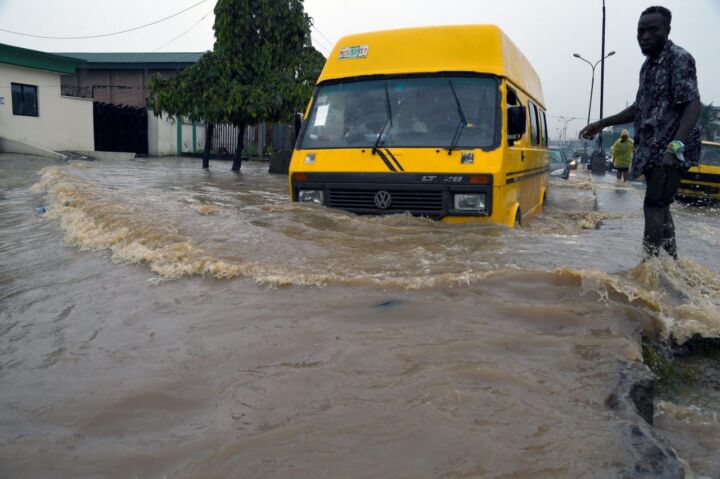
{"x":298,"y":122}
{"x":517,"y":122}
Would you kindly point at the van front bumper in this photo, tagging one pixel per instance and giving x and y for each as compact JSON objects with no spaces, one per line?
{"x":431,"y":194}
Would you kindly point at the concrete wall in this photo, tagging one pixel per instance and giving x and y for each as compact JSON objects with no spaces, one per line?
{"x":163,"y":136}
{"x":62,"y":124}
{"x":121,"y":87}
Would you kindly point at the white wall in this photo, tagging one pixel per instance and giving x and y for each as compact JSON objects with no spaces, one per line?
{"x":162,"y":136}
{"x":62,"y":124}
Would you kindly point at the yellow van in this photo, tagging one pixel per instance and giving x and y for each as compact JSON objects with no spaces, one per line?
{"x":703,"y":181}
{"x":444,"y":122}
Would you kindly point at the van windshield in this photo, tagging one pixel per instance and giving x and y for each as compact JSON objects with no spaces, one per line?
{"x":710,"y":155}
{"x":415,"y":112}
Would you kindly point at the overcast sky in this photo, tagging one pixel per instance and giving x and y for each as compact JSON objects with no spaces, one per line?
{"x":547,"y":31}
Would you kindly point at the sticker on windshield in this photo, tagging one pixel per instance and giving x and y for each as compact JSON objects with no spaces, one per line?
{"x":360,"y":51}
{"x":321,"y":116}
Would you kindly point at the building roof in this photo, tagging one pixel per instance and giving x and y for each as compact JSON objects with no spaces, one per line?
{"x":464,"y":48}
{"x":39,"y":60}
{"x":136,"y":60}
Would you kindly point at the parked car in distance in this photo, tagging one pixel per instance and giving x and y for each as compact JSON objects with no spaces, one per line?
{"x":702,"y":182}
{"x":558,"y":159}
{"x":559,"y":164}
{"x":572,"y":163}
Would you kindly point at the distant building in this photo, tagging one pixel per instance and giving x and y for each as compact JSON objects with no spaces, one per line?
{"x":123,"y":78}
{"x":35,"y":117}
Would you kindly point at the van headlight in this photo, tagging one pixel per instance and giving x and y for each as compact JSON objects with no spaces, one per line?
{"x":470,"y":202}
{"x":311,"y":196}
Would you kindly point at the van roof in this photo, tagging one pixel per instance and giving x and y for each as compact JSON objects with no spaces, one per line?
{"x":462,"y":48}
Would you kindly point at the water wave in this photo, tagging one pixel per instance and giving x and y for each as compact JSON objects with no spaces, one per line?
{"x":90,"y":222}
{"x":682,"y":298}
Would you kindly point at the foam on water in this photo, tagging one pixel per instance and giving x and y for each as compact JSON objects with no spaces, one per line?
{"x":681,"y":297}
{"x":92,"y":223}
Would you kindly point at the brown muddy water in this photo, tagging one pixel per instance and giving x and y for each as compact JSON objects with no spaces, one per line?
{"x":157,"y":320}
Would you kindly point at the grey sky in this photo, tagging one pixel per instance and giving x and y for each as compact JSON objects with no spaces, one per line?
{"x":548,"y":31}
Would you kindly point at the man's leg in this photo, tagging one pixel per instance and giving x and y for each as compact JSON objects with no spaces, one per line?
{"x":668,"y":240}
{"x":626,"y":173}
{"x":654,"y":230}
{"x":670,"y":187}
{"x":654,"y":210}
{"x":619,"y":174}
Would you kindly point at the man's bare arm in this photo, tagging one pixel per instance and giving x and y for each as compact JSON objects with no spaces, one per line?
{"x":592,"y":129}
{"x":688,"y":120}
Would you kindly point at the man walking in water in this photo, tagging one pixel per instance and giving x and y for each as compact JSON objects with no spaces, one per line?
{"x":667,"y":135}
{"x":622,"y":151}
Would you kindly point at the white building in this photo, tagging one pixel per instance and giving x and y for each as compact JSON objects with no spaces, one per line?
{"x":34,"y":117}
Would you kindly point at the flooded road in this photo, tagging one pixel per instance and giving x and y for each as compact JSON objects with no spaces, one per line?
{"x":157,"y":320}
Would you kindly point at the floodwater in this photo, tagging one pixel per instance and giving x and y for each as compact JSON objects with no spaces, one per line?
{"x":158,"y":320}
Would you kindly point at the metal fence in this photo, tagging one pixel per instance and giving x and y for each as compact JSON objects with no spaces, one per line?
{"x":258,"y":139}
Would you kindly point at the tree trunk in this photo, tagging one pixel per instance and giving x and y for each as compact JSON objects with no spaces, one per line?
{"x":237,"y":159}
{"x":208,"y":143}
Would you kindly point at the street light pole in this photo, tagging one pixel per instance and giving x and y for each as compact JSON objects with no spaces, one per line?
{"x":592,"y":80}
{"x":602,"y":77}
{"x":565,"y":122}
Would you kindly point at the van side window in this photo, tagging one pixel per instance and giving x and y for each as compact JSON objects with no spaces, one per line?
{"x":534,"y":129}
{"x":546,"y":134}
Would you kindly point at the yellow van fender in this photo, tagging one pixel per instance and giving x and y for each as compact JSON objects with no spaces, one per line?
{"x":543,"y":198}
{"x":513,"y":212}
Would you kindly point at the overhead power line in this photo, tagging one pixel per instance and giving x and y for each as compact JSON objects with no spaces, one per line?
{"x":183,"y":33}
{"x":323,"y":47}
{"x":104,"y":34}
{"x":329,"y":43}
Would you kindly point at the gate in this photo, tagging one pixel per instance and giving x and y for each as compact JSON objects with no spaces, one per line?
{"x":224,"y":139}
{"x":120,"y":128}
{"x":257,"y":139}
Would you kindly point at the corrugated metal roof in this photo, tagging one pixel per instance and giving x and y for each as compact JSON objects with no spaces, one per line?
{"x":36,"y":59}
{"x":136,"y":59}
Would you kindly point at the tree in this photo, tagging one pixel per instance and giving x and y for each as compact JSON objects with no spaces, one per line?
{"x":193,"y":93}
{"x":262,"y":68}
{"x":708,"y":126}
{"x":262,"y":45}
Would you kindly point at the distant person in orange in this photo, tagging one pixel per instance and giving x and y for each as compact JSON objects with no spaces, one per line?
{"x":622,"y":152}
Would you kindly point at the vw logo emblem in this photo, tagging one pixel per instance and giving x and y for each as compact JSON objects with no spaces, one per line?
{"x":383,"y":200}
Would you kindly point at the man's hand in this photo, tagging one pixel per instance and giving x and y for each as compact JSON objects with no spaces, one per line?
{"x":670,"y":160}
{"x":590,"y":130}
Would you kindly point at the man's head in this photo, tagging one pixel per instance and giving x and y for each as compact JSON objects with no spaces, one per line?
{"x":624,"y":135}
{"x":653,"y":30}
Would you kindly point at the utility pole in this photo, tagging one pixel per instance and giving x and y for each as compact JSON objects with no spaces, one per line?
{"x":602,"y":77}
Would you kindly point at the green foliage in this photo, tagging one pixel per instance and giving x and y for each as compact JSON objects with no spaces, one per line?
{"x":193,"y":93}
{"x":251,"y":149}
{"x":262,"y":68}
{"x":707,"y":125}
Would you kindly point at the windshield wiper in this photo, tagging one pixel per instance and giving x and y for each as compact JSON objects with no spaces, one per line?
{"x":463,"y":121}
{"x":388,"y":110}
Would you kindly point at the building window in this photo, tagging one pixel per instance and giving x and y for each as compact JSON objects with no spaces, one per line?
{"x":24,"y":100}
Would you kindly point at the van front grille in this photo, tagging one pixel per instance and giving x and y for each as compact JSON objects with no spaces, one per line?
{"x":417,"y":202}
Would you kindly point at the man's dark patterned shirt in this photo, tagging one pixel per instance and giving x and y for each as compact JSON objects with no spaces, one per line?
{"x":667,"y":83}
